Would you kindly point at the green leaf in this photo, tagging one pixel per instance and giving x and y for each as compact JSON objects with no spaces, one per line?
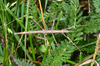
{"x":59,"y":19}
{"x":43,"y":48}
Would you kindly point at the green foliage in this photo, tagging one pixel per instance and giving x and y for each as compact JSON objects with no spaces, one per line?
{"x":67,"y":13}
{"x":34,"y":13}
{"x":90,"y":44}
{"x":72,"y":16}
{"x":60,"y":54}
{"x":96,"y":5}
{"x":93,"y":26}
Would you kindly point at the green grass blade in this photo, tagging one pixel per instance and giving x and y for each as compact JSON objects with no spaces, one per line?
{"x":23,"y":47}
{"x":31,"y":44}
{"x":59,"y":19}
{"x":80,"y":57}
{"x":47,"y":49}
{"x":22,"y":13}
{"x":69,"y":61}
{"x":26,"y":24}
{"x":37,"y":47}
{"x":14,"y":16}
{"x":17,"y":10}
{"x":46,"y":2}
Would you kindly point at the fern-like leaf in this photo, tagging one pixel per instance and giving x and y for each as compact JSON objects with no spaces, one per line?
{"x":60,"y":54}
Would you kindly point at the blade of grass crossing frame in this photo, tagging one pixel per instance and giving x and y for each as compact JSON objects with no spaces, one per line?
{"x":31,"y":44}
{"x":26,"y":25}
{"x":3,"y":21}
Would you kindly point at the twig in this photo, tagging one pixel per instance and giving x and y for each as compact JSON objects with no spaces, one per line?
{"x":43,"y":31}
{"x":77,"y":25}
{"x":52,"y":33}
{"x":32,"y":61}
{"x":44,"y":37}
{"x":36,"y":23}
{"x":72,"y":42}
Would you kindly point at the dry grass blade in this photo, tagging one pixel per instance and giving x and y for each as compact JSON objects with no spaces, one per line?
{"x":88,"y":61}
{"x":42,"y":14}
{"x":96,"y":49}
{"x":11,"y":54}
{"x":84,"y":60}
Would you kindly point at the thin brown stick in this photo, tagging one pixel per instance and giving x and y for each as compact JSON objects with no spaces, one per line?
{"x":77,"y":26}
{"x":32,"y":61}
{"x":45,"y":39}
{"x":72,"y":42}
{"x":52,"y":33}
{"x":43,"y":31}
{"x":36,"y":23}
